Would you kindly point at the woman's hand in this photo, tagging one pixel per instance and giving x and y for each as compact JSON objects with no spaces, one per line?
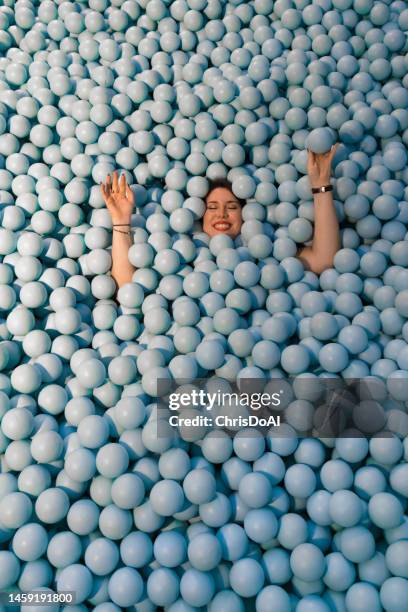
{"x":319,"y":166}
{"x":119,"y":198}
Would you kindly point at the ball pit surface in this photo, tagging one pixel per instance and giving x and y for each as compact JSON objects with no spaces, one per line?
{"x":174,"y":94}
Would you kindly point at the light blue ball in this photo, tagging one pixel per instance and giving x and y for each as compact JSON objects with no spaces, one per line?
{"x":255,"y":490}
{"x":313,"y":602}
{"x":93,"y":431}
{"x":357,"y":544}
{"x":233,"y":540}
{"x":91,"y":374}
{"x":307,"y":562}
{"x":397,"y":478}
{"x":10,"y":566}
{"x":385,"y":510}
{"x":352,"y":450}
{"x":167,"y":497}
{"x":345,"y":508}
{"x":295,"y":359}
{"x":319,"y":140}
{"x":360,"y":594}
{"x":300,"y":480}
{"x":15,"y":510}
{"x":197,"y":588}
{"x":318,"y":508}
{"x":273,"y":598}
{"x":204,"y":552}
{"x":170,"y":549}
{"x":246,"y":274}
{"x":199,"y":486}
{"x":275,"y":563}
{"x":128,"y":491}
{"x":101,"y":556}
{"x":77,"y":578}
{"x":247,"y":577}
{"x":52,"y":505}
{"x":80,"y":465}
{"x":335,"y":475}
{"x":333,"y":357}
{"x":374,"y":570}
{"x":395,"y":558}
{"x":216,"y":512}
{"x":125,"y":587}
{"x":30,"y":542}
{"x":394,"y":594}
{"x":227,"y":601}
{"x":261,"y":525}
{"x":64,"y":549}
{"x":136,"y":549}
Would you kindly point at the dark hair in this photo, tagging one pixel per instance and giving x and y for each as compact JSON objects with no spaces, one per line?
{"x":226,"y":184}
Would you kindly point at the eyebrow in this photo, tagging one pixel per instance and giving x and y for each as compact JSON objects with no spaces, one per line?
{"x":218,"y":202}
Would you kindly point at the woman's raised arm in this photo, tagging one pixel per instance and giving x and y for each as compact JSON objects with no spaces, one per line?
{"x":119,"y":200}
{"x":326,"y":237}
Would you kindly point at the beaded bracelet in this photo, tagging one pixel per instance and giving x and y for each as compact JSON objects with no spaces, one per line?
{"x":129,"y":233}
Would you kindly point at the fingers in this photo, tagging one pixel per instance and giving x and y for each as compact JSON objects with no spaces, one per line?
{"x":115,"y":186}
{"x":312,"y":156}
{"x":333,"y":150}
{"x":106,"y":189}
{"x":311,"y":160}
{"x":329,"y":154}
{"x":122,"y":185}
{"x":129,"y":194}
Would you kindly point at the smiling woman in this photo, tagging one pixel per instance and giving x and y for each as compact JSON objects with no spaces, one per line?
{"x":223,"y":214}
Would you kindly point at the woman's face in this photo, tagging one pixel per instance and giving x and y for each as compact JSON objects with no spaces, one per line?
{"x":223,"y":213}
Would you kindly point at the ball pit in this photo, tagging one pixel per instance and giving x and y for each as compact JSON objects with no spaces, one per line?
{"x":174,"y":94}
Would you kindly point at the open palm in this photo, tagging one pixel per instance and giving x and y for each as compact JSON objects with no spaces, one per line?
{"x":118,"y":197}
{"x":319,"y":166}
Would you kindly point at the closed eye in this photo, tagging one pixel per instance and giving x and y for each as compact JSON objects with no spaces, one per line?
{"x":230,"y":205}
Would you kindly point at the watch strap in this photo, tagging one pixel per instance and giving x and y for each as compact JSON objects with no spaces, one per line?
{"x":322,"y":189}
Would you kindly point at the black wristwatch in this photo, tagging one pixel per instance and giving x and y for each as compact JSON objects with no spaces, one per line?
{"x":322,"y":189}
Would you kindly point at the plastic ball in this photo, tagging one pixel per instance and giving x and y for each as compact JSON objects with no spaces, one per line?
{"x":196,"y":587}
{"x":11,"y":568}
{"x":394,"y":593}
{"x":101,"y":556}
{"x":52,"y":505}
{"x":30,"y":542}
{"x":204,"y":552}
{"x":320,"y":140}
{"x":199,"y":486}
{"x":255,"y":490}
{"x":112,"y":460}
{"x":357,"y":544}
{"x":307,"y":562}
{"x":167,"y":497}
{"x":15,"y":510}
{"x":246,"y":577}
{"x":385,"y":510}
{"x":64,"y":549}
{"x":78,"y":578}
